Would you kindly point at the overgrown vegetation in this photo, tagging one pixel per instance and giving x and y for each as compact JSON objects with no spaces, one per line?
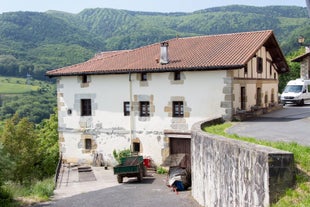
{"x":118,"y":155}
{"x":28,"y":159}
{"x":298,"y":197}
{"x":161,"y":170}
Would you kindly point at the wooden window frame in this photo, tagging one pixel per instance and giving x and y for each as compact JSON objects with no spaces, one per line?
{"x":86,"y":109}
{"x":144,"y":108}
{"x":177,"y":109}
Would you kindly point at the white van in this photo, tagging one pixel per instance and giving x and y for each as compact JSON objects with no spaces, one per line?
{"x":296,"y":92}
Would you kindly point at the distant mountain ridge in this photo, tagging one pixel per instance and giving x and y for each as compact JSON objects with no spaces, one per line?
{"x":33,"y":42}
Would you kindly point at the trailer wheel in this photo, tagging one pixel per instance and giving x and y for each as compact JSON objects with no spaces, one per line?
{"x":144,"y":171}
{"x":119,"y":179}
{"x":140,"y":175}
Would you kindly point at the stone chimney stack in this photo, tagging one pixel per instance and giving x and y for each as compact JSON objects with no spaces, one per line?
{"x":164,"y":57}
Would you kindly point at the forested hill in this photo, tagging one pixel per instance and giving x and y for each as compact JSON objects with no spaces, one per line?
{"x":33,"y":42}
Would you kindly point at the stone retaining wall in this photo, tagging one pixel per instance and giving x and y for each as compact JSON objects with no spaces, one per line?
{"x":227,"y":172}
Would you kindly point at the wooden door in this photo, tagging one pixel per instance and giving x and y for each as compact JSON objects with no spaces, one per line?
{"x":181,"y":146}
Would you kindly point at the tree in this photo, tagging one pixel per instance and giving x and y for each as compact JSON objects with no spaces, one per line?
{"x":5,"y":165}
{"x":294,"y":70}
{"x":48,"y":145}
{"x":21,"y":142}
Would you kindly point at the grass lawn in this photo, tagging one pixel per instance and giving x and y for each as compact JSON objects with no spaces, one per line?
{"x":10,"y":85}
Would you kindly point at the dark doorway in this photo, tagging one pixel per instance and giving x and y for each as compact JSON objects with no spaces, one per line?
{"x":243,"y":99}
{"x":258,"y":96}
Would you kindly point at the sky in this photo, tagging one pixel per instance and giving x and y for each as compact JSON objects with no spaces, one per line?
{"x":76,"y":6}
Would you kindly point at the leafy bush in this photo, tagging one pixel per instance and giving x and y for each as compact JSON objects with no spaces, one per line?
{"x":161,"y":170}
{"x":43,"y":189}
{"x":5,"y":196}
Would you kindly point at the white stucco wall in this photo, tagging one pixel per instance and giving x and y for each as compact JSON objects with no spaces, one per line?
{"x":202,"y":93}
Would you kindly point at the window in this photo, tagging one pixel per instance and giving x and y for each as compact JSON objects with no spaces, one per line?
{"x":178,"y":109}
{"x":85,"y":107}
{"x":270,"y":69}
{"x":245,"y":69}
{"x":144,"y":76}
{"x":126,"y":108}
{"x":84,"y":79}
{"x":177,"y":75}
{"x":88,"y":144}
{"x":136,"y":147}
{"x":272,"y":96}
{"x":144,"y":108}
{"x":259,"y":64}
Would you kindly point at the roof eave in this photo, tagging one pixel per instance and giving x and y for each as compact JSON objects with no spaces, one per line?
{"x":301,"y":57}
{"x":150,"y":70}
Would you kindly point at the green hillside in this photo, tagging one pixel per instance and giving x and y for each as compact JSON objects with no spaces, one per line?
{"x":16,"y":86}
{"x":27,"y":97}
{"x":34,"y":42}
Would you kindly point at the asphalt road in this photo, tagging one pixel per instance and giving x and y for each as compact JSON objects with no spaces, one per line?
{"x":290,"y":124}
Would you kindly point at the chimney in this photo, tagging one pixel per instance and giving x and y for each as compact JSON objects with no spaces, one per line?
{"x":164,"y":58}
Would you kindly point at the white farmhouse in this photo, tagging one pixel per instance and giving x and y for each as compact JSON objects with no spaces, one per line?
{"x":148,"y":98}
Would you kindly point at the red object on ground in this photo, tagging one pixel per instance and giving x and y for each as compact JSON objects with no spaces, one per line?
{"x":147,"y":162}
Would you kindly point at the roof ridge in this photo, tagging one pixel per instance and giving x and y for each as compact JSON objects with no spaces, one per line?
{"x":115,"y":53}
{"x":229,"y":34}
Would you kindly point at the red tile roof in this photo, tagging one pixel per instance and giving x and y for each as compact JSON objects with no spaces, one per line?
{"x":226,"y":51}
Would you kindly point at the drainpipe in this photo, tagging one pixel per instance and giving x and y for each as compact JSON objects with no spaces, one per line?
{"x":131,"y":112}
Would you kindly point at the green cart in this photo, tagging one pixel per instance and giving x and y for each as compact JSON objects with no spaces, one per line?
{"x":130,"y":167}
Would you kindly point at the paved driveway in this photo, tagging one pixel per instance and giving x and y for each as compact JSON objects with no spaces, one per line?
{"x":290,"y":124}
{"x":106,"y":192}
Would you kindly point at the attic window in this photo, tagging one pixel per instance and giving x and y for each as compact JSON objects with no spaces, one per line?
{"x":84,"y":78}
{"x":259,"y":64}
{"x":144,"y":76}
{"x":245,"y":69}
{"x":177,"y":75}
